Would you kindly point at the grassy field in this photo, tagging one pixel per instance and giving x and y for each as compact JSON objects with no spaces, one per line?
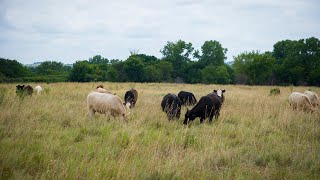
{"x":257,"y":136}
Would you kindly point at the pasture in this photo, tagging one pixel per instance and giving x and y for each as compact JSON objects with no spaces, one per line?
{"x":257,"y":136}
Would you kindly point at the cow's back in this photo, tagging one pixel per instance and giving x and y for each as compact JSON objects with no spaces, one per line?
{"x":28,"y":89}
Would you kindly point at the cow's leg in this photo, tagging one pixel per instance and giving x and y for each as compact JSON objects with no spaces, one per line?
{"x":201,"y":119}
{"x":91,"y":113}
{"x":211,"y":117}
{"x":108,"y":115}
{"x":185,"y":122}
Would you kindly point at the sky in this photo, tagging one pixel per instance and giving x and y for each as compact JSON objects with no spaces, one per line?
{"x":67,"y":31}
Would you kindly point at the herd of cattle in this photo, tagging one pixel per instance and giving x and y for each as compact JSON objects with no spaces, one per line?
{"x":105,"y":102}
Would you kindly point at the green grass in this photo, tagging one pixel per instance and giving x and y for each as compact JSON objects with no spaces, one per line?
{"x":257,"y":136}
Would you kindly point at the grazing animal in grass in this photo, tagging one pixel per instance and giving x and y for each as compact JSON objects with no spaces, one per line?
{"x":171,"y":104}
{"x":23,"y":90}
{"x":108,"y":104}
{"x":38,"y":88}
{"x":131,"y":97}
{"x":207,"y":107}
{"x":187,"y":98}
{"x":99,"y":86}
{"x":300,"y":101}
{"x":314,"y":99}
{"x":220,"y":94}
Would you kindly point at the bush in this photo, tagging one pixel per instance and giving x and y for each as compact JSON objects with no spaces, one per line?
{"x":274,"y":91}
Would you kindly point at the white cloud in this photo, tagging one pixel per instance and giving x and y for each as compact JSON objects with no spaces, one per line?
{"x":71,"y":30}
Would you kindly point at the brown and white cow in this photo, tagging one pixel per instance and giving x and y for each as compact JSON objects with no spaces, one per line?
{"x":131,"y":97}
{"x":108,"y":104}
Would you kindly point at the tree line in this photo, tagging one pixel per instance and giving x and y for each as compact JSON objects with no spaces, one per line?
{"x":295,"y":62}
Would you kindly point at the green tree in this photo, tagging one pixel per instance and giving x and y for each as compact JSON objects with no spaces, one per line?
{"x":13,"y":69}
{"x":212,"y":53}
{"x":152,"y":74}
{"x":166,"y":70}
{"x":178,"y":54}
{"x":82,"y":71}
{"x":51,"y":68}
{"x":253,"y":67}
{"x":297,"y":61}
{"x":215,"y":74}
{"x":98,"y":59}
{"x":133,"y":67}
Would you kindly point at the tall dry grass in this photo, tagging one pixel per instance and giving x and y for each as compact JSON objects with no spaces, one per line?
{"x":257,"y":136}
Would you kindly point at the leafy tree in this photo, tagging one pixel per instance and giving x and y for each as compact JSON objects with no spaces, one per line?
{"x":297,"y":61}
{"x":133,"y":67}
{"x":178,"y":54}
{"x":98,"y":59}
{"x":82,"y":71}
{"x":152,"y":74}
{"x":51,"y":68}
{"x":212,"y":53}
{"x":253,"y":67}
{"x":166,"y":70}
{"x":10,"y":69}
{"x":216,"y":75}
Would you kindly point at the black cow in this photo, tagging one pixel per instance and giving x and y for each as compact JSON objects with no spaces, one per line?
{"x":23,"y":90}
{"x":208,"y":106}
{"x":131,"y":97}
{"x":187,"y":98}
{"x":171,"y":104}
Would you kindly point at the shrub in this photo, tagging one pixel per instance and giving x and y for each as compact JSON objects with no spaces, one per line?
{"x":274,"y":91}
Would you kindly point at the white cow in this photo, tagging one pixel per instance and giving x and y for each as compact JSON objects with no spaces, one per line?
{"x":314,"y":99}
{"x":108,"y":104}
{"x":38,"y":89}
{"x":298,"y":100}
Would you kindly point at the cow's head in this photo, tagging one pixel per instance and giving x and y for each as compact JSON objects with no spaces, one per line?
{"x":189,"y":116}
{"x":19,"y":87}
{"x":99,"y":86}
{"x":220,"y":92}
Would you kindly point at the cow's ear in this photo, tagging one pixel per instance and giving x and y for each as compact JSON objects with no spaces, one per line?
{"x":215,"y":91}
{"x":223,"y":91}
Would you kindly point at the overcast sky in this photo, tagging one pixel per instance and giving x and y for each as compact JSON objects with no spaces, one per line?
{"x":66,"y":31}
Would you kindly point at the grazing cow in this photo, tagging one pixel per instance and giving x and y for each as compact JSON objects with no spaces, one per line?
{"x":99,"y":86}
{"x":298,"y":100}
{"x":314,"y":99}
{"x":187,"y":98}
{"x":220,"y":92}
{"x":38,"y":89}
{"x":131,"y":97}
{"x":23,"y":90}
{"x":207,"y":107}
{"x":171,"y":104}
{"x":108,"y":104}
